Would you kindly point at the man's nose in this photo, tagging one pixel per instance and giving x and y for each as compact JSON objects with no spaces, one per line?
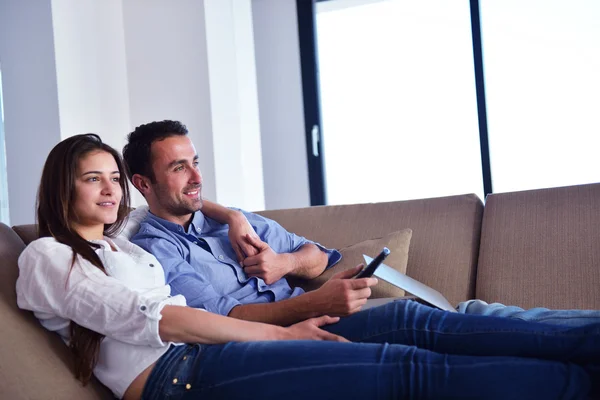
{"x":196,"y":176}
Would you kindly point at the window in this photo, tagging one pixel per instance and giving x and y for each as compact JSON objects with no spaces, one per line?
{"x":398,"y":100}
{"x":542,"y":77}
{"x":3,"y":176}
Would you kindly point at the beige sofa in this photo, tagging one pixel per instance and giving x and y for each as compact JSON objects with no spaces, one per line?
{"x":532,"y":248}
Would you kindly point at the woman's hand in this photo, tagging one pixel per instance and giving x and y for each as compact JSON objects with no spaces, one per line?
{"x":310,"y":329}
{"x":239,"y":227}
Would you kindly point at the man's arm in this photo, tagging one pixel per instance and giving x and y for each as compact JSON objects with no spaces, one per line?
{"x":340,"y":296}
{"x":337,"y":297}
{"x":307,"y":262}
{"x":239,"y":227}
{"x":282,"y":253}
{"x":218,"y":212}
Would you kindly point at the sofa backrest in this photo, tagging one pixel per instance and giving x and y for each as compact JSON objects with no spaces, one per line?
{"x":34,"y":363}
{"x":444,"y":245}
{"x":542,"y":248}
{"x":27,"y":233}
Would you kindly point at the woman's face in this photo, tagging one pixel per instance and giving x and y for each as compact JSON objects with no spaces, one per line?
{"x":97,"y":193}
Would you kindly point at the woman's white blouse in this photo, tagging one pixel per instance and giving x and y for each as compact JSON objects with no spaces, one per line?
{"x":124,"y":304}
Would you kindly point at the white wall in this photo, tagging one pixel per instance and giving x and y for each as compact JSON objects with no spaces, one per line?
{"x":280,"y":98}
{"x":90,"y":66}
{"x":109,"y":66}
{"x":234,"y":102}
{"x":168,"y":71}
{"x":30,"y":99}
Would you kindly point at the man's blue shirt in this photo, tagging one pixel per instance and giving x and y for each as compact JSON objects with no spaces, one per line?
{"x":200,"y":263}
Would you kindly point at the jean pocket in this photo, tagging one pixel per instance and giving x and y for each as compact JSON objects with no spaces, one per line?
{"x":184,"y":370}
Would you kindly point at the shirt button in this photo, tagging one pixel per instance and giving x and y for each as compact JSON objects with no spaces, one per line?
{"x":143,"y":308}
{"x":152,"y":265}
{"x":221,"y":257}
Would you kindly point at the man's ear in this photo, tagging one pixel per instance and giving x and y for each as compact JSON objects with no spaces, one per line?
{"x":141,"y":183}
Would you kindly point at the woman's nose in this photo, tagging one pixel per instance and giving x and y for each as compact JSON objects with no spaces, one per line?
{"x":107,"y":187}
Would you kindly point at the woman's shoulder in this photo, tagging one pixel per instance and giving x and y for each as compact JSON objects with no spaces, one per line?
{"x":44,"y":248}
{"x":128,"y":246}
{"x":46,"y":243}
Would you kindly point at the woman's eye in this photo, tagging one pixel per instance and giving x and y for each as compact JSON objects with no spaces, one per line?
{"x":93,"y":179}
{"x":116,"y":179}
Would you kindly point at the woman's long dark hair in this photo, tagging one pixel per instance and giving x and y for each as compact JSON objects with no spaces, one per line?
{"x":55,"y":216}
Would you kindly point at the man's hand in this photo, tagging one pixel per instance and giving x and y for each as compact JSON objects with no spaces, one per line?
{"x":340,"y":295}
{"x":267,"y":265}
{"x":310,"y":330}
{"x":239,"y":229}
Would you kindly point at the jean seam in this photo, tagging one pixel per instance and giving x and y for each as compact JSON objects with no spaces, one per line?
{"x":295,"y":370}
{"x":480,"y":332}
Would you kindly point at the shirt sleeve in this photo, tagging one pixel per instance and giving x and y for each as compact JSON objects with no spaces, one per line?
{"x":282,"y":241}
{"x":183,"y":278}
{"x":84,"y":294}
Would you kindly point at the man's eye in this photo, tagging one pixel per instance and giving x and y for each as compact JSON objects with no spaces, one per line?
{"x":196,"y":163}
{"x":179,"y":168}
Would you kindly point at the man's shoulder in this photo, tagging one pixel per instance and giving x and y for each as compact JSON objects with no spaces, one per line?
{"x":150,"y":229}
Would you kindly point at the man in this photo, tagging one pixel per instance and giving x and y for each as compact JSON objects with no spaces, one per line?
{"x":201,"y":264}
{"x":196,"y":251}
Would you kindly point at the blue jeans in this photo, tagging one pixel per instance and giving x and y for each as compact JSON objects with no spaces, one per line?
{"x":329,"y":370}
{"x":544,"y":315}
{"x":434,"y":354}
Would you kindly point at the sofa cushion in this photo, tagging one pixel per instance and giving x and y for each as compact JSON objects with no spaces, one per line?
{"x":34,"y":363}
{"x":27,"y":233}
{"x":542,"y":248}
{"x":444,"y":244}
{"x":398,"y":242}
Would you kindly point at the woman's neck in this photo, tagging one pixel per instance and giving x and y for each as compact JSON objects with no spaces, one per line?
{"x":95,"y":232}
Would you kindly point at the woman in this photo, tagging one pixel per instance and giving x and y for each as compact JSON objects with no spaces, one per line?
{"x":107,"y":298}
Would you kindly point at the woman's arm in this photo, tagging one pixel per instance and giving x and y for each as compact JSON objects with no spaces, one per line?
{"x":190,"y":325}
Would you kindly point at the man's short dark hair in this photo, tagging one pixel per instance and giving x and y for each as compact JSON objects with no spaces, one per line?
{"x":137,"y":152}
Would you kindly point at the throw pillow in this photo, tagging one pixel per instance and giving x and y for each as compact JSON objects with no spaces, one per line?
{"x":398,"y":243}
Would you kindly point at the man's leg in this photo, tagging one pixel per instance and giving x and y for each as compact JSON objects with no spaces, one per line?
{"x":414,"y":324}
{"x":543,"y":315}
{"x":319,"y":370}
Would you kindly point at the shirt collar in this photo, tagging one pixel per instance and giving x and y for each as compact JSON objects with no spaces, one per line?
{"x":105,"y":243}
{"x":196,"y":225}
{"x":198,"y":221}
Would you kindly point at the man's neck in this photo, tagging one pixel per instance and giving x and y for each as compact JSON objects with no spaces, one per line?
{"x":183,"y":220}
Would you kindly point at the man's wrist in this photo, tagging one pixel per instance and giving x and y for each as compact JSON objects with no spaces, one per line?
{"x":312,"y":304}
{"x":288,"y":261}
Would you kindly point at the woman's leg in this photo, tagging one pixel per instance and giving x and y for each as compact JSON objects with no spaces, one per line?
{"x":331,"y":370}
{"x":544,"y":315}
{"x":411,"y":323}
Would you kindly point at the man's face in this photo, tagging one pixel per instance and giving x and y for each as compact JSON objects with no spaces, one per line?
{"x":177,"y":190}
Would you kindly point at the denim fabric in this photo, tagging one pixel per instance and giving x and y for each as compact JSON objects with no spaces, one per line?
{"x":329,"y":370}
{"x":543,"y":315}
{"x":435,"y":355}
{"x":414,"y":324}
